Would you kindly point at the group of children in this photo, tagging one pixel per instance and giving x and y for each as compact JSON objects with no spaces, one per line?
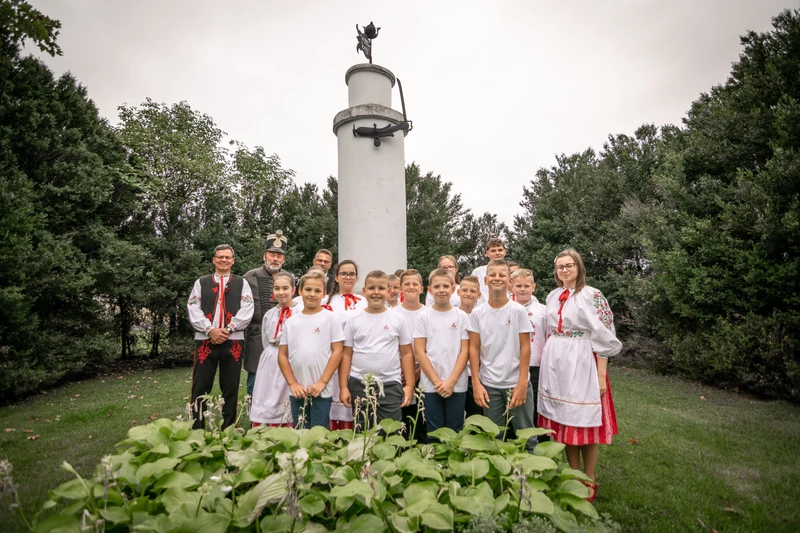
{"x":319,"y":348}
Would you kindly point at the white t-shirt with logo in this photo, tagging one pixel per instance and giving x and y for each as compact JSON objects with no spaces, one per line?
{"x":411,"y":318}
{"x":499,"y":330}
{"x":443,"y":333}
{"x":309,"y":339}
{"x":376,"y":340}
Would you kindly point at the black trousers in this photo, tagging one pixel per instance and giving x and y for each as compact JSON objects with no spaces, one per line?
{"x":207,"y":357}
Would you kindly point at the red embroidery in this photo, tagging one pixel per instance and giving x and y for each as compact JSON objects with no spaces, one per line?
{"x":203,"y":351}
{"x":208,"y":316}
{"x":215,"y":288}
{"x":228,"y":318}
{"x":236,"y":350}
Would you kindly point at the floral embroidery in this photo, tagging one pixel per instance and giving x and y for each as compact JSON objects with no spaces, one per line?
{"x":604,"y":313}
{"x":236,"y":350}
{"x":203,"y":351}
{"x":194,"y":300}
{"x":568,"y":334}
{"x":228,"y":318}
{"x":247,"y":299}
{"x":208,"y":316}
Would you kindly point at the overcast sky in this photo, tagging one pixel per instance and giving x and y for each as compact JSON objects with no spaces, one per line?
{"x":495,"y":88}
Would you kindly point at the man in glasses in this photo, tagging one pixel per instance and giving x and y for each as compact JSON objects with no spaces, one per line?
{"x":220,"y":307}
{"x":261,"y":282}
{"x":324,"y":259}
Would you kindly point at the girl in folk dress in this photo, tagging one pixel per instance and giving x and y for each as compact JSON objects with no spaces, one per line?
{"x":342,"y":302}
{"x":270,"y":404}
{"x":574,"y":391}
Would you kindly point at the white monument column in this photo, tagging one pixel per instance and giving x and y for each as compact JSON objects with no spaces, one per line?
{"x":372,"y":190}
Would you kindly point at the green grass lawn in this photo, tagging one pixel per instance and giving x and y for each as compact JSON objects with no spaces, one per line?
{"x":685,"y":452}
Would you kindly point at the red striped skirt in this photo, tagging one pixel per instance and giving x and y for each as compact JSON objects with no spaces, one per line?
{"x":340,"y":424}
{"x":286,"y":425}
{"x":575,"y":436}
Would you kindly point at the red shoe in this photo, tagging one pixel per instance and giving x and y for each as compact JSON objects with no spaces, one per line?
{"x":593,"y":488}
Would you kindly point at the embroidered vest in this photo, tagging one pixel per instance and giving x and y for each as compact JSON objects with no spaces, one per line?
{"x":209,"y":294}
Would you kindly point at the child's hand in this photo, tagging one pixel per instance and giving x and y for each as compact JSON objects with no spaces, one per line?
{"x":316,"y":389}
{"x":344,"y":397}
{"x":298,"y":391}
{"x":519,"y":395}
{"x":601,"y":378}
{"x":480,"y":394}
{"x":445,"y":388}
{"x":408,"y":393}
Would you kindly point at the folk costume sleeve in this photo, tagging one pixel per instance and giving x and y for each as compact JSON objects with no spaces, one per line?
{"x":245,"y":313}
{"x":198,"y":320}
{"x":599,"y":319}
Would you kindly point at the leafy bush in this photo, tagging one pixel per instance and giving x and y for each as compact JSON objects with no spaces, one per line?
{"x":168,"y":477}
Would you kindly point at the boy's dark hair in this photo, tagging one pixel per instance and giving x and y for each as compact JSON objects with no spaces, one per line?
{"x":392,"y":277}
{"x":495,"y":241}
{"x":399,"y":273}
{"x":512,"y":264}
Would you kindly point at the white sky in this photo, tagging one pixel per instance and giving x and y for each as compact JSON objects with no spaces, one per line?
{"x":495,"y":88}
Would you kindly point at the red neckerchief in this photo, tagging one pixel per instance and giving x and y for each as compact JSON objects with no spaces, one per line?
{"x":350,"y":299}
{"x":286,"y":312}
{"x":563,"y":299}
{"x":326,"y":306}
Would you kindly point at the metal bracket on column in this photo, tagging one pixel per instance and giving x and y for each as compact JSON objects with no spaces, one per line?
{"x":388,"y":130}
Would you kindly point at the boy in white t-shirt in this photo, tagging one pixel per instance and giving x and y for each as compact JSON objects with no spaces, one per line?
{"x":495,"y":249}
{"x":411,"y":309}
{"x":522,"y":286}
{"x":500,"y":354}
{"x":469,"y":291}
{"x":393,"y":295}
{"x":377,"y":341}
{"x":309,"y":354}
{"x":441,"y":346}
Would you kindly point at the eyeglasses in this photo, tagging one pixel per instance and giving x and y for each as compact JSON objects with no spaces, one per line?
{"x":565,"y":268}
{"x":450,"y":267}
{"x":348,"y":275}
{"x":224,"y":257}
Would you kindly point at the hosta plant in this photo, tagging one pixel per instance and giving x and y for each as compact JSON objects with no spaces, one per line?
{"x":168,"y":477}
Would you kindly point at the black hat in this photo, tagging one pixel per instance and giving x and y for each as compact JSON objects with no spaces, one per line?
{"x":276,"y":243}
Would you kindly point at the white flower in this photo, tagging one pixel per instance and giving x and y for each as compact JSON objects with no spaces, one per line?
{"x":226,"y":489}
{"x":215,"y":479}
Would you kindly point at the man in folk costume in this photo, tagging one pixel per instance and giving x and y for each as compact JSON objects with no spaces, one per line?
{"x":220,"y":307}
{"x":261,"y":282}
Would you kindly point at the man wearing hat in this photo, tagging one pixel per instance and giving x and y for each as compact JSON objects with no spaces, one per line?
{"x":260,"y":280}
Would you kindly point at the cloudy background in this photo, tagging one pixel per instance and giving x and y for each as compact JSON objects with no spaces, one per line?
{"x":495,"y":88}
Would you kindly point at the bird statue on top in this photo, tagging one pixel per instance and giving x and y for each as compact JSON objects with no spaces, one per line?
{"x":365,"y":38}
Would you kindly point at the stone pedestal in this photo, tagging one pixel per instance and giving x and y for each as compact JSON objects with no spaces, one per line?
{"x":372,"y":191}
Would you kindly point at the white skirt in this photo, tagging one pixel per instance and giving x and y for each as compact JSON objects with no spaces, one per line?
{"x":270,"y":403}
{"x":568,"y":389}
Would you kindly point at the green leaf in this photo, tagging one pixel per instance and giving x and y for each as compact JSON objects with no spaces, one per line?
{"x":365,"y":523}
{"x":243,"y":458}
{"x":173,"y":498}
{"x":396,"y":440}
{"x":312,"y":504}
{"x":483,"y":423}
{"x":569,"y":473}
{"x":501,"y":503}
{"x":574,"y":487}
{"x":157,"y":469}
{"x":272,"y":489}
{"x":472,"y":470}
{"x":59,"y":524}
{"x":478,"y":442}
{"x":72,"y":490}
{"x":276,"y":523}
{"x":285,"y":435}
{"x":343,"y":475}
{"x":549,"y":449}
{"x":535,"y":463}
{"x":390,"y":426}
{"x":439,"y":517}
{"x":344,"y":503}
{"x":579,"y":504}
{"x":474,"y":500}
{"x":424,"y":470}
{"x":355,"y":487}
{"x":178,"y":448}
{"x":525,"y":434}
{"x":313,"y":527}
{"x":404,"y":523}
{"x":502,"y":464}
{"x":420,"y":490}
{"x":116,"y":515}
{"x":384,"y":468}
{"x":383,"y":451}
{"x":309,"y":437}
{"x":179,"y":480}
{"x":564,"y":520}
{"x":444,"y":434}
{"x":161,"y":448}
{"x":538,"y":502}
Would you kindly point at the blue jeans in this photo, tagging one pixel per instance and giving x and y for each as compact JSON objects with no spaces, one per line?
{"x":444,"y":412}
{"x":251,"y":383}
{"x":318,"y":412}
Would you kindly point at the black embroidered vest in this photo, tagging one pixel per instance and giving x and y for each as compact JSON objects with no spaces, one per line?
{"x":209,"y":294}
